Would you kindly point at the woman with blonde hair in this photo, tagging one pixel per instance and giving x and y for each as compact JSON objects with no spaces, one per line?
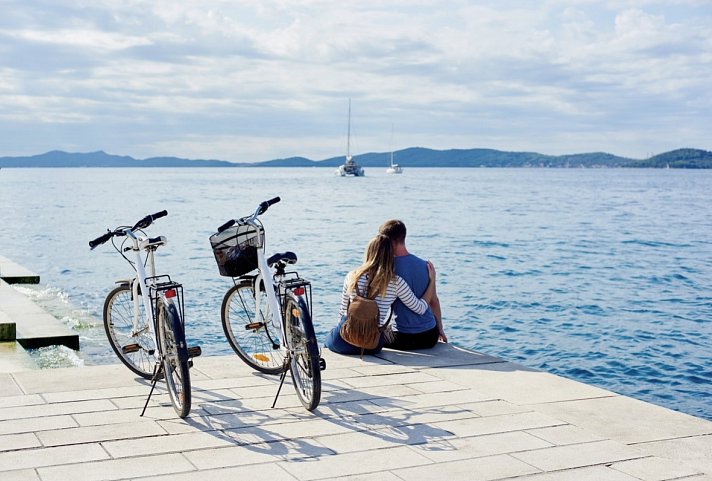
{"x":376,"y":279}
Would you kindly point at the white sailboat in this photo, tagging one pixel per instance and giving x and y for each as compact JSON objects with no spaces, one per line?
{"x":393,"y":168}
{"x":350,"y":167}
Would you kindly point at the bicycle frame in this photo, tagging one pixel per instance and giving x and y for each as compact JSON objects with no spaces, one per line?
{"x":264,"y":277}
{"x":139,"y":244}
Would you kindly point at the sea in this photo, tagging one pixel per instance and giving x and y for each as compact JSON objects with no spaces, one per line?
{"x":599,"y":275}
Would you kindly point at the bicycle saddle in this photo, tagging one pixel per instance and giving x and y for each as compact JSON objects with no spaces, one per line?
{"x":288,"y":258}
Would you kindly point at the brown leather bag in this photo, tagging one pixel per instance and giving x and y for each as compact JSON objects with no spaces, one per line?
{"x":361,"y":327}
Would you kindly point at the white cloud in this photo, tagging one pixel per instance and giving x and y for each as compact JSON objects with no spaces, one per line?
{"x":259,"y":80}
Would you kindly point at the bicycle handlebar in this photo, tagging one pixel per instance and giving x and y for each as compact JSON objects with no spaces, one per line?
{"x":226,"y":225}
{"x":100,"y":240}
{"x":265,"y":205}
{"x":142,"y":224}
{"x":261,"y":209}
{"x":148,"y":220}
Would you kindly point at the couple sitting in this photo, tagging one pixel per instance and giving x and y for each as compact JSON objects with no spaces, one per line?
{"x":399,"y":282}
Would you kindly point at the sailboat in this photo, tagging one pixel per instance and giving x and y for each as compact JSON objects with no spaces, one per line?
{"x":393,"y":168}
{"x":350,"y":167}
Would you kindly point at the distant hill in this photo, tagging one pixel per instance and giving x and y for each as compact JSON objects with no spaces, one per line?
{"x":411,"y":157}
{"x":57,"y":158}
{"x":678,"y":159}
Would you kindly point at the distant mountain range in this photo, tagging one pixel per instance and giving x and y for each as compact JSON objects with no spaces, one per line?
{"x":411,"y":157}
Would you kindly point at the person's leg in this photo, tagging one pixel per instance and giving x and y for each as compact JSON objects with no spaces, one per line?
{"x":336,"y":344}
{"x":410,"y":342}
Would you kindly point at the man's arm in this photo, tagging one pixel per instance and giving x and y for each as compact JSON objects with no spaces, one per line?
{"x":435,"y":307}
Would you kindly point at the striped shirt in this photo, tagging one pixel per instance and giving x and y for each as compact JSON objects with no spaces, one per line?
{"x":397,"y":289}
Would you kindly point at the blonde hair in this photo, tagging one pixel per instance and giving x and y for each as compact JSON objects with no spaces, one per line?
{"x":378,"y":266}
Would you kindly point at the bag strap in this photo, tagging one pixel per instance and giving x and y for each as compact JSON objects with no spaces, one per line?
{"x":385,"y":324}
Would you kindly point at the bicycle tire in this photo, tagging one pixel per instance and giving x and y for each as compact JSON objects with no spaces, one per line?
{"x":136,"y":350}
{"x":251,"y":334}
{"x":304,"y":365}
{"x":175,"y":358}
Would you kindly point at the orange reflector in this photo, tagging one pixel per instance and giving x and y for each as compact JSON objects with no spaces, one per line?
{"x":261,"y":357}
{"x":298,"y":291}
{"x":171,"y":293}
{"x":295,"y":312}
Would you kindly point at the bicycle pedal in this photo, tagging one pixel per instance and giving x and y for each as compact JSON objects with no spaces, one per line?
{"x":190,"y":363}
{"x":130,"y":348}
{"x":322,"y":364}
{"x":194,"y":351}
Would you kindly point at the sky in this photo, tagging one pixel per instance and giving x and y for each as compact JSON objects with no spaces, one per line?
{"x":247,"y":81}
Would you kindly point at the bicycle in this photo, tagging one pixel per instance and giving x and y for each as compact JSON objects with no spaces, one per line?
{"x":270,"y":329}
{"x":143,"y":316}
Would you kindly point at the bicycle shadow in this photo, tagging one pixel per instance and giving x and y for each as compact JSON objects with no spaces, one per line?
{"x":238,"y":422}
{"x":387,"y":422}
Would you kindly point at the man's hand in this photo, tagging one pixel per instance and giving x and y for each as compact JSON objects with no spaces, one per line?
{"x":441,"y":336}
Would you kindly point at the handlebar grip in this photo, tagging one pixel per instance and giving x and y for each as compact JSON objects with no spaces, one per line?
{"x":226,"y":225}
{"x":160,"y":214}
{"x":148,"y":220}
{"x":100,"y":240}
{"x":265,"y":205}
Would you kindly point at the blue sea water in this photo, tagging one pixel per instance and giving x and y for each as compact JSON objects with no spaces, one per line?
{"x":603,"y":276}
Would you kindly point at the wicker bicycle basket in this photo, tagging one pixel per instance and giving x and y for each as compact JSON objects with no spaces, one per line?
{"x":235,"y":249}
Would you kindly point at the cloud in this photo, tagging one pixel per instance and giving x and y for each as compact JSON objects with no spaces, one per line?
{"x":257,"y":80}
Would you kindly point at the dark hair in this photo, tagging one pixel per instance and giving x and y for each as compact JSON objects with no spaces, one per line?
{"x":393,"y":229}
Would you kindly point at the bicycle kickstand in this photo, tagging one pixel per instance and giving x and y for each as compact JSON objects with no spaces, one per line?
{"x":157,"y":369}
{"x":287,"y":362}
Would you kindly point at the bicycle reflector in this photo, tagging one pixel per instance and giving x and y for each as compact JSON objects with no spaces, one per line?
{"x":171,"y":293}
{"x":298,"y":291}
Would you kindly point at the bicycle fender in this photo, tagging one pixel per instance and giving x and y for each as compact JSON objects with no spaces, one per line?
{"x":174,"y":319}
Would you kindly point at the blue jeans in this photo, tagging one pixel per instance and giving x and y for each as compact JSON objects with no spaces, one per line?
{"x":336,"y":344}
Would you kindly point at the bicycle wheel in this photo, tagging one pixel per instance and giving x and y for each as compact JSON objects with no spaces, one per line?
{"x":135,"y":348}
{"x":250,"y":333}
{"x":175,"y":357}
{"x":304,"y":366}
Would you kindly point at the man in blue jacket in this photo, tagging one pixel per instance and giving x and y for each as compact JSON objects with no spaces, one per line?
{"x":413,"y":331}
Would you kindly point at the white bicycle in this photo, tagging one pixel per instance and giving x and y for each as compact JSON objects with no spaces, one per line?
{"x":266,"y":316}
{"x":147,"y":308}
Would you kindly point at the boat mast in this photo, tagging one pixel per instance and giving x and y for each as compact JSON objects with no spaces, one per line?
{"x":348,"y":135}
{"x":391,"y":145}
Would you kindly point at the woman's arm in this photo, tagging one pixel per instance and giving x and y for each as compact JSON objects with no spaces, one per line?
{"x":409,"y":299}
{"x":345,"y":298}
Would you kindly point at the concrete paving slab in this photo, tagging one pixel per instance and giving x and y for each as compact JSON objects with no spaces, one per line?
{"x":476,"y":469}
{"x":125,"y":468}
{"x":695,"y":451}
{"x":256,"y":471}
{"x":518,"y":384}
{"x":34,"y":326}
{"x":627,"y":420}
{"x":14,"y":358}
{"x":21,"y":475}
{"x":14,"y":273}
{"x":297,"y":450}
{"x":480,"y":446}
{"x":356,"y":463}
{"x":12,"y":442}
{"x":654,"y":469}
{"x":35,"y":425}
{"x":8,"y":386}
{"x":593,"y":473}
{"x":35,"y":458}
{"x":442,"y":355}
{"x":427,"y":423}
{"x":572,"y":456}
